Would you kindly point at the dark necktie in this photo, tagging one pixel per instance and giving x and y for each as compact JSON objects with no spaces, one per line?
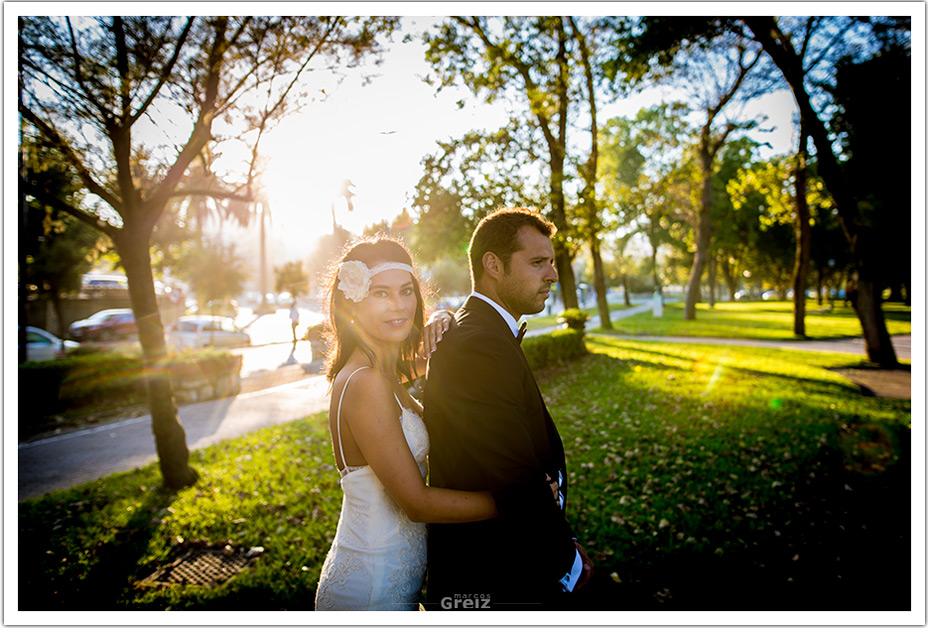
{"x":521,"y":333}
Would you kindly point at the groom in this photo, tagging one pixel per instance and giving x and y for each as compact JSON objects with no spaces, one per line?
{"x":490,"y":430}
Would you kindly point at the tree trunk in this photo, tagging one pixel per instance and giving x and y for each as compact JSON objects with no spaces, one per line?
{"x":864,"y":292}
{"x":170,"y":438}
{"x":628,"y":300}
{"x":821,"y":285}
{"x":562,"y":254}
{"x":655,"y":274}
{"x":589,"y":173}
{"x":55,"y":297}
{"x":599,"y":283}
{"x":565,"y":273}
{"x":557,"y":149}
{"x":703,"y":237}
{"x":729,"y":280}
{"x":712,"y":281}
{"x":803,"y":242}
{"x":781,"y":51}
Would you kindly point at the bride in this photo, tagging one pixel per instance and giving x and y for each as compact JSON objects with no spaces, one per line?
{"x":378,"y":557}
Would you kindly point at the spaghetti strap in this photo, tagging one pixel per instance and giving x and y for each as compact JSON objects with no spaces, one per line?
{"x":338,"y":419}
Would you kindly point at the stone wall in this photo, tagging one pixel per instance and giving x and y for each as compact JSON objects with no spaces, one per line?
{"x":196,"y":383}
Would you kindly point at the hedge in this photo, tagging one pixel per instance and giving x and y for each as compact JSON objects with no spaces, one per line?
{"x":555,"y":348}
{"x":103,"y":381}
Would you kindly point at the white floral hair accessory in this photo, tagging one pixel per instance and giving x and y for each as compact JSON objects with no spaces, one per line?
{"x":354,"y":277}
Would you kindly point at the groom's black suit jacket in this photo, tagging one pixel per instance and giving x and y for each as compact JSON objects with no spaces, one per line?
{"x":490,"y":430}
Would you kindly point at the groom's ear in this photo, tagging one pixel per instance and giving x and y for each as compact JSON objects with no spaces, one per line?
{"x":492,"y":265}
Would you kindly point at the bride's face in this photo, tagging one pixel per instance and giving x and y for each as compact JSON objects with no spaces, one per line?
{"x":386,"y":315}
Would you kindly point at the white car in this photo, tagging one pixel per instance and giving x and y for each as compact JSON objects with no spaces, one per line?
{"x":42,"y":345}
{"x":203,"y":331}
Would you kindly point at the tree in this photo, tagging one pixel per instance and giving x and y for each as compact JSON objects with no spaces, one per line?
{"x":861,"y":92}
{"x":465,"y":180}
{"x":89,"y":87}
{"x":589,"y":173}
{"x":795,"y":66}
{"x":494,"y":56}
{"x":718,"y":71}
{"x":291,"y":278}
{"x":213,"y":270}
{"x":58,"y":248}
{"x":641,"y":186}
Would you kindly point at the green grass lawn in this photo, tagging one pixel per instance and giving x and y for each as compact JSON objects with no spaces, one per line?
{"x":710,"y":478}
{"x":770,"y":320}
{"x":540,"y":322}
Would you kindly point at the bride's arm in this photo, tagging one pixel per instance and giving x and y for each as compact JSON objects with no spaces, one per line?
{"x":371,"y":414}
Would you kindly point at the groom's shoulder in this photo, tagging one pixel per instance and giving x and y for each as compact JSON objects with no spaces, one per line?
{"x":472,"y":324}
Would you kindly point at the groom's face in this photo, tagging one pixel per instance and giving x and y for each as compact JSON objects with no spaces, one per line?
{"x":526,"y":284}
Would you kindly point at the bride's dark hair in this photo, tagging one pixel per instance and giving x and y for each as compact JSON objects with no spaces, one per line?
{"x":342,"y":334}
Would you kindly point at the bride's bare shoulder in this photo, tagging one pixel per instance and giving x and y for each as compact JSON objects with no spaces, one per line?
{"x":368,"y":387}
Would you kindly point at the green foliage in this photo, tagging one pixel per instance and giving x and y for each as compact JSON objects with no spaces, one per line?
{"x":292,"y":278}
{"x":466,"y":179}
{"x":574,"y":318}
{"x":213,"y":270}
{"x":557,"y":347}
{"x":882,"y":184}
{"x":450,"y":276}
{"x":58,"y":247}
{"x":84,"y":383}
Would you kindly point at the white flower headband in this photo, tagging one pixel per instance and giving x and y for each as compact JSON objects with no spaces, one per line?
{"x":354,"y":277}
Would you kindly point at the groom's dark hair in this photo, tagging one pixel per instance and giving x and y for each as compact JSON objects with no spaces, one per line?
{"x":498,"y":233}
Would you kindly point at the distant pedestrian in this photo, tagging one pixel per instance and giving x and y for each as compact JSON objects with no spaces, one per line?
{"x":294,"y":319}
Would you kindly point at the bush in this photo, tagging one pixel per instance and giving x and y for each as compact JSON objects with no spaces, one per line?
{"x":575,"y":318}
{"x":554,"y":348}
{"x":102,"y":381}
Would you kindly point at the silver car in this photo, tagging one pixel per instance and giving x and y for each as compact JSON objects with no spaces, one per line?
{"x":206,"y":331}
{"x":42,"y":345}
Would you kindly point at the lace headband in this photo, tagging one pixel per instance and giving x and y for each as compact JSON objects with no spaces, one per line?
{"x":354,"y":277}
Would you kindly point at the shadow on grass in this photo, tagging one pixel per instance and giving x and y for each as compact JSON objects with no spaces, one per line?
{"x":848,"y":549}
{"x":834,"y":537}
{"x":102,"y":578}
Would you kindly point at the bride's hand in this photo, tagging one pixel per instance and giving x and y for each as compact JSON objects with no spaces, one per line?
{"x":438,"y":324}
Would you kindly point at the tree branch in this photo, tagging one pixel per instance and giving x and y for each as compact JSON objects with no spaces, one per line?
{"x":201,"y":130}
{"x":165,"y":73}
{"x":52,"y":135}
{"x":56,"y":203}
{"x":79,"y":76}
{"x":218,"y":194}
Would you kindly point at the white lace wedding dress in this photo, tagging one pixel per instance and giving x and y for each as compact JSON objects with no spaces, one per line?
{"x":377,"y":560}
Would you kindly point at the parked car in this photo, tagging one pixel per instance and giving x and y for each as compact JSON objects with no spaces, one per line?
{"x":103,"y":285}
{"x":203,"y":331}
{"x":104,"y":326}
{"x":42,"y":345}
